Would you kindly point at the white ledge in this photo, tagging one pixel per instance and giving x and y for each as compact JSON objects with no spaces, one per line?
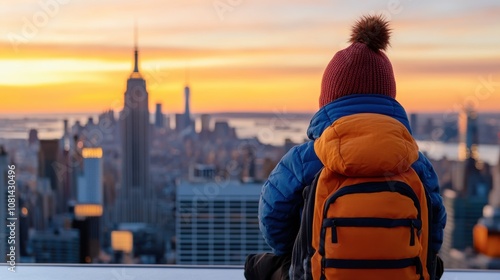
{"x":137,"y":272}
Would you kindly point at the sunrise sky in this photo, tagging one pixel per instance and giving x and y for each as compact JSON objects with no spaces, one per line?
{"x":242,"y":55}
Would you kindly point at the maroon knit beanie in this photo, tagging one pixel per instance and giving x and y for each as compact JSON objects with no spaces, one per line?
{"x":362,"y":67}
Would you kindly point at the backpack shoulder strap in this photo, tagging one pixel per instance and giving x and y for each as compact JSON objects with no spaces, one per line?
{"x":302,"y":250}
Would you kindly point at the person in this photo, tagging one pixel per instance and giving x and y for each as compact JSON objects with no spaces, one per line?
{"x":358,"y":80}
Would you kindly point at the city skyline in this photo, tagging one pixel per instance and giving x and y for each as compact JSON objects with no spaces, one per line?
{"x":237,"y":53}
{"x":189,"y":194}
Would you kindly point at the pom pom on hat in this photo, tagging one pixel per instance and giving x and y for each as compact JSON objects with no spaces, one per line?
{"x":372,"y":31}
{"x":363,"y":67}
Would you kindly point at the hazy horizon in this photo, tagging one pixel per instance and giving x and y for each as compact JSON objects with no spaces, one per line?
{"x":257,"y":114}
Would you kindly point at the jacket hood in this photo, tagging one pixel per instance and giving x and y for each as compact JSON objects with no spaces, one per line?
{"x":367,"y":145}
{"x":356,"y":104}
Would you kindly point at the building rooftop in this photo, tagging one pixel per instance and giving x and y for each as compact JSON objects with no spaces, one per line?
{"x":210,"y":190}
{"x":120,"y":272}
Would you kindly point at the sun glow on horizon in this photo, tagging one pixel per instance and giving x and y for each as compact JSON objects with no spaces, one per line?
{"x":238,"y":63}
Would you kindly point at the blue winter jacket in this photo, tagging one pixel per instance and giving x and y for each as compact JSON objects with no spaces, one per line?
{"x":281,"y":196}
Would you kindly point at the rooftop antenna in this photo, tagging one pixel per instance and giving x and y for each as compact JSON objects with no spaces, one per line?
{"x":136,"y":48}
{"x":186,"y":77}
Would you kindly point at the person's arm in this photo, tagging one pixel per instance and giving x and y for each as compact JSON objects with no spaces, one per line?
{"x":431,"y":183}
{"x":281,"y":197}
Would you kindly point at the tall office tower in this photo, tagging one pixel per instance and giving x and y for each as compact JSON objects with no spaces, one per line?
{"x":159,"y":118}
{"x":48,"y":160}
{"x":135,"y":202}
{"x":188,"y":122}
{"x":90,"y":188}
{"x":187,"y":113}
{"x":3,"y":198}
{"x":217,"y":229}
{"x":414,"y":124}
{"x":467,"y":172}
{"x":65,"y":140}
{"x":66,"y":173}
{"x":51,"y":170}
{"x":468,"y":131}
{"x":183,"y":121}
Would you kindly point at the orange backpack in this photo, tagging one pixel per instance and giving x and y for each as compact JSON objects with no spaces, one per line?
{"x":364,"y":228}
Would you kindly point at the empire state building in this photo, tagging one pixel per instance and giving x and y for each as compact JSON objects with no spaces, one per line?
{"x":136,"y":198}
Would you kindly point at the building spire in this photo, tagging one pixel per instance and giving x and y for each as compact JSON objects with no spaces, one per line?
{"x":136,"y":49}
{"x":186,"y":97}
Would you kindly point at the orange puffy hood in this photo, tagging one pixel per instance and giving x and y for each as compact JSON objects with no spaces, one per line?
{"x":366,"y":145}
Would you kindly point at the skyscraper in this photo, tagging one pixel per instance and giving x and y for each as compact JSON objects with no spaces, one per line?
{"x":66,"y":174}
{"x":90,"y":188}
{"x":187,"y":113}
{"x":159,"y":118}
{"x":468,"y":171}
{"x":65,"y":140}
{"x":219,"y":229}
{"x":414,"y":124}
{"x":188,"y":123}
{"x":468,"y":130}
{"x":51,"y":169}
{"x":187,"y":92}
{"x":47,"y":160}
{"x":136,"y":194}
